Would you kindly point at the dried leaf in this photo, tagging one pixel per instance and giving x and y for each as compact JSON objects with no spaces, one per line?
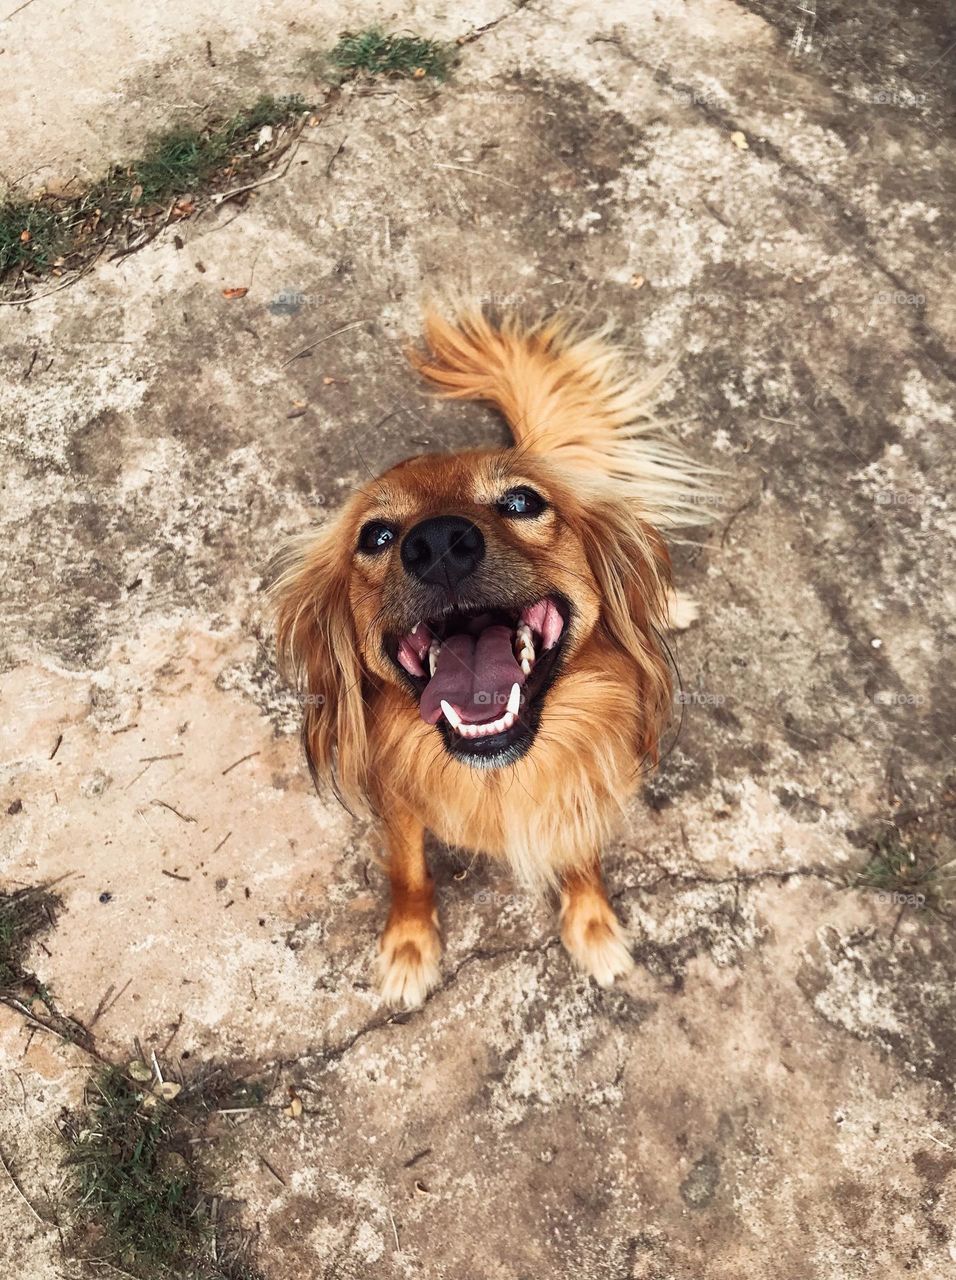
{"x":168,"y":1090}
{"x":138,"y":1070}
{"x":239,"y":292}
{"x":25,"y":237}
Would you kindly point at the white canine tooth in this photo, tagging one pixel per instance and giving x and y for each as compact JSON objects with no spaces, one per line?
{"x":433,"y":653}
{"x":451,"y":715}
{"x":514,"y":699}
{"x":526,"y":666}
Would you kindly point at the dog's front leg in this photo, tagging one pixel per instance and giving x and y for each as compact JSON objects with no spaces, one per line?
{"x":410,"y":947}
{"x":590,"y":930}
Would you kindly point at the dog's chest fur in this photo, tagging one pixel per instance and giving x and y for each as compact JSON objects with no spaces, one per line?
{"x":551,"y":810}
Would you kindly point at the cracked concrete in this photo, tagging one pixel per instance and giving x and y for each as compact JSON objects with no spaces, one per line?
{"x":768,"y":191}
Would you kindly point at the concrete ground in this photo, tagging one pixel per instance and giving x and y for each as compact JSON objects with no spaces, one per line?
{"x":766,"y":188}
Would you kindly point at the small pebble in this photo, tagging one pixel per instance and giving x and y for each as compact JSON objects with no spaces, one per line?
{"x":876,"y":644}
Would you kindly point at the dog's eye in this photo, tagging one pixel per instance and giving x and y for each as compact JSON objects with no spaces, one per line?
{"x":521,"y":502}
{"x":375,"y":537}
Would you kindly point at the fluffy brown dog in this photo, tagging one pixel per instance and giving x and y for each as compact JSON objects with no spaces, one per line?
{"x":479,"y":634}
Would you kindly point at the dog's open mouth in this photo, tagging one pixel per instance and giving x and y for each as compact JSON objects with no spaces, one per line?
{"x":479,"y":675}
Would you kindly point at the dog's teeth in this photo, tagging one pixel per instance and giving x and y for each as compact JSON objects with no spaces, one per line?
{"x":451,"y":715}
{"x":525,"y":643}
{"x":433,"y":653}
{"x":514,"y":699}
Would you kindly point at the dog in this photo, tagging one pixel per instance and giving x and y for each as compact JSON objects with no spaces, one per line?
{"x":480,"y":635}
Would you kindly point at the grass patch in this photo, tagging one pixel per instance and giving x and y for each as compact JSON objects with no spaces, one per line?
{"x":181,"y":161}
{"x":31,"y":234}
{"x":178,"y":171}
{"x":185,"y":169}
{"x":907,"y":870}
{"x":379,"y":53}
{"x":143,"y":1207}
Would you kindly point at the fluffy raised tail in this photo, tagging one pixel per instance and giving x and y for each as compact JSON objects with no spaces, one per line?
{"x":567,"y":396}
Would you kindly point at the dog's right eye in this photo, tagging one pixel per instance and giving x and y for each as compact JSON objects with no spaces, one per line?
{"x":375,"y":537}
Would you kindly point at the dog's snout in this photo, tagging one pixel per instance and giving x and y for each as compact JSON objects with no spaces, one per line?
{"x":443,"y":551}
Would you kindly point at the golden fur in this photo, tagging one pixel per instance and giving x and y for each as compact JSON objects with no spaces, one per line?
{"x":583,"y":441}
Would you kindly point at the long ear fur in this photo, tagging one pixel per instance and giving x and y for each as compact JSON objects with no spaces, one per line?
{"x":630,"y":563}
{"x":318,"y":649}
{"x":567,"y":397}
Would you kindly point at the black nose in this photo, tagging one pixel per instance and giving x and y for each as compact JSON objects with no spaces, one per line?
{"x":443,"y":550}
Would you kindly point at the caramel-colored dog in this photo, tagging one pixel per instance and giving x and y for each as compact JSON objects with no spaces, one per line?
{"x":480,"y":634}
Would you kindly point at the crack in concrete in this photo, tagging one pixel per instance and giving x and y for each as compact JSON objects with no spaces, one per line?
{"x":482,"y":955}
{"x":771,"y":874}
{"x":401,"y":1017}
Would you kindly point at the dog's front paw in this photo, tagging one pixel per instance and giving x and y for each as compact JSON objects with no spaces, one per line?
{"x":594,"y":939}
{"x":408,"y":961}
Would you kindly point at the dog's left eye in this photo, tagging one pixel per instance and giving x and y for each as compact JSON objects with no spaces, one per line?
{"x":521,"y":502}
{"x":375,"y":537}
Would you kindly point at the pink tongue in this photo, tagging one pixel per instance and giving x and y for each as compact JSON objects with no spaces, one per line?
{"x":475,"y":675}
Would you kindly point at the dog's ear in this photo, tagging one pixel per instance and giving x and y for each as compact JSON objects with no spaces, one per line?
{"x":632,"y":568}
{"x":316,"y":641}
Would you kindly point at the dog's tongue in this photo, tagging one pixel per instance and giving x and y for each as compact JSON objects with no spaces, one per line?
{"x":475,"y":674}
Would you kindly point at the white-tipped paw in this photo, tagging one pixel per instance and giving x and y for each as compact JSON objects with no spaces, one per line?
{"x":595,"y":940}
{"x":407,"y":962}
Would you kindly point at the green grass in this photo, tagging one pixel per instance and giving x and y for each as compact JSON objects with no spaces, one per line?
{"x":900,"y":866}
{"x":377,"y":52}
{"x":66,"y":234}
{"x":183,"y":161}
{"x":139,"y":1184}
{"x":31,"y":234}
